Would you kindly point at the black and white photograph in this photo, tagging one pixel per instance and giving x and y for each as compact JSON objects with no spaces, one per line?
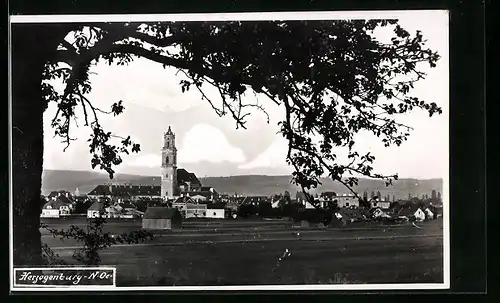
{"x":235,"y":151}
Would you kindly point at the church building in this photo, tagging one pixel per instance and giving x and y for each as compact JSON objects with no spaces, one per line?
{"x":177,"y":182}
{"x":168,"y":165}
{"x":174,"y":182}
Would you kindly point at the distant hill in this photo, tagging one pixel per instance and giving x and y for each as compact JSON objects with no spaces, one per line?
{"x":85,"y":181}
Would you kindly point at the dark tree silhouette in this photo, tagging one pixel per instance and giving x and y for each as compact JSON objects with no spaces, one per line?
{"x":433,"y":195}
{"x":393,"y":198}
{"x":287,"y":195}
{"x":285,"y":199}
{"x":378,"y":195}
{"x":363,"y":202}
{"x":372,"y":195}
{"x":331,"y":78}
{"x":439,"y":197}
{"x":365,"y":195}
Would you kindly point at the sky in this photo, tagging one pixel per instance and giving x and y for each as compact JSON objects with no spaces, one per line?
{"x":209,"y":145}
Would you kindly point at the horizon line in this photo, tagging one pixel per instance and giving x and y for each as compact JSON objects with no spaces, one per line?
{"x":229,"y":176}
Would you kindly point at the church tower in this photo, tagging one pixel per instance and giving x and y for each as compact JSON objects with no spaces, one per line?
{"x":168,"y":165}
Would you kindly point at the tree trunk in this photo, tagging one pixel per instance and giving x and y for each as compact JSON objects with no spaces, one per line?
{"x":32,"y":46}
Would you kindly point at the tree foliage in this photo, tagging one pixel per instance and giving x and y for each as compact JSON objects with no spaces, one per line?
{"x":332,"y":79}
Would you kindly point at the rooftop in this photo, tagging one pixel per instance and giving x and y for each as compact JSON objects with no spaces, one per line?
{"x":161,"y":213}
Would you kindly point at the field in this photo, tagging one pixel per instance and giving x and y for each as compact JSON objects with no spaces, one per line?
{"x":246,"y":252}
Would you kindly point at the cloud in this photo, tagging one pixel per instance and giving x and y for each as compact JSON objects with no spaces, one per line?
{"x":148,"y":160}
{"x":207,"y":143}
{"x":273,"y":157}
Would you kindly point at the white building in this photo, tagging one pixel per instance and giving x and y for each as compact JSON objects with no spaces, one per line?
{"x":429,"y":213}
{"x":322,"y":203}
{"x":216,"y":213}
{"x":50,"y":212}
{"x":379,"y":213}
{"x":94,"y":211}
{"x":191,"y":210}
{"x":196,"y":210}
{"x":55,"y":209}
{"x":382,"y":204}
{"x":419,"y":214}
{"x":347,"y":201}
{"x":415,"y":212}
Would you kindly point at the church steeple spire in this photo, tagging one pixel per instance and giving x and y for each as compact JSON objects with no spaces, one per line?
{"x":169,"y":165}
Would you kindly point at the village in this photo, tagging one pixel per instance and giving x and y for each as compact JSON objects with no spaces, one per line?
{"x":134,"y":201}
{"x":182,"y":196}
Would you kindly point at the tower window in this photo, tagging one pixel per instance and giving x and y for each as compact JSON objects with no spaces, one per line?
{"x":166,"y":176}
{"x":166,"y":160}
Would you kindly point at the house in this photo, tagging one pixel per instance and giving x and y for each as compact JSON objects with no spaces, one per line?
{"x":49,"y":210}
{"x":215,"y":213}
{"x":429,"y":215}
{"x":347,"y":201}
{"x":161,"y":218}
{"x":199,"y":198}
{"x":187,"y":181}
{"x":380,"y":204}
{"x":127,"y":206}
{"x":114,"y":211}
{"x":395,"y":207}
{"x":94,"y":211}
{"x":131,"y":213}
{"x":194,"y":210}
{"x":67,"y":200}
{"x":183,"y":200}
{"x":254,"y":200}
{"x":412,"y":212}
{"x":56,"y":194}
{"x":55,"y":209}
{"x":125,"y":192}
{"x":180,"y":204}
{"x":308,"y":205}
{"x":377,"y":213}
{"x":189,"y":208}
{"x":328,"y":195}
{"x":224,"y":198}
{"x":201,"y":195}
{"x":352,"y":214}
